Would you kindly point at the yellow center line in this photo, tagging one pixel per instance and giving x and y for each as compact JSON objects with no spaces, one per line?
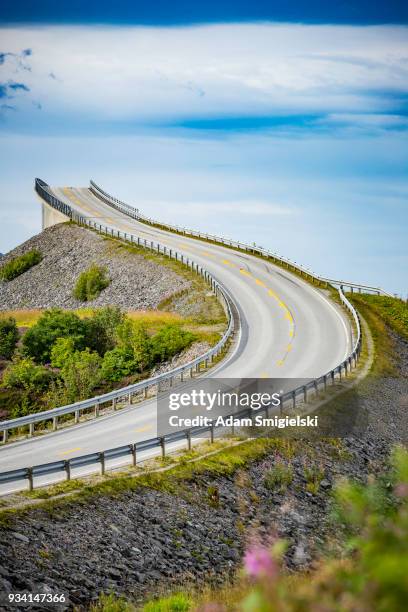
{"x":227,"y":262}
{"x":71,"y":450}
{"x":144,"y":428}
{"x":260,"y":283}
{"x":245,"y":272}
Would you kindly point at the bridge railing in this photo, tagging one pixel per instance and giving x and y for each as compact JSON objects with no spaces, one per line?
{"x":130,"y":392}
{"x":290,"y":399}
{"x":253,"y":249}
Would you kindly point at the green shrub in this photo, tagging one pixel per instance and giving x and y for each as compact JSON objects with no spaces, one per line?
{"x":90,"y":283}
{"x":8,"y":337}
{"x":18,"y":265}
{"x":133,"y":336}
{"x":81,"y":373}
{"x":101,"y":328}
{"x":39,"y":339}
{"x":62,"y":350}
{"x":169,"y":341}
{"x":279,"y":477}
{"x":23,"y":373}
{"x":118,"y":362}
{"x":313,"y":475}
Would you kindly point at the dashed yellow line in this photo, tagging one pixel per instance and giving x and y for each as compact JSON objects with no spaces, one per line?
{"x":260,"y":283}
{"x":71,"y":450}
{"x":227,"y":262}
{"x":245,"y":272}
{"x":144,"y":428}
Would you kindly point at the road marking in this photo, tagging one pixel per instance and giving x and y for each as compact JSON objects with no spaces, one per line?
{"x":71,"y":450}
{"x":144,"y":428}
{"x":245,"y":272}
{"x":227,"y":262}
{"x":264,"y":375}
{"x":289,"y":347}
{"x":280,"y":362}
{"x":259,"y":282}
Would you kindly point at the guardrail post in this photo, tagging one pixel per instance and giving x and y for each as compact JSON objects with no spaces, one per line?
{"x":54,"y":423}
{"x":76,"y":416}
{"x":96,"y":409}
{"x":316,"y":388}
{"x":325,"y":382}
{"x":30,"y":477}
{"x":181,"y":376}
{"x":294,"y":399}
{"x":332,"y":376}
{"x":145,"y":392}
{"x":133,"y":451}
{"x":114,"y":402}
{"x":163,"y":447}
{"x":5,"y":436}
{"x":31,"y":430}
{"x":191,"y":372}
{"x":67,"y":468}
{"x":188,"y":436}
{"x":130,"y":398}
{"x":340,"y":372}
{"x":102,"y":460}
{"x":305,"y":393}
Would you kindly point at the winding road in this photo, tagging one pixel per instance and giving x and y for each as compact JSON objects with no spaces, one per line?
{"x":289,"y":329}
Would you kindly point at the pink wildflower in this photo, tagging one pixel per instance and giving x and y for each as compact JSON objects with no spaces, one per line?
{"x":259,"y":563}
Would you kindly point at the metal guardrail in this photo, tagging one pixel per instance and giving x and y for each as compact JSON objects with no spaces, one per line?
{"x":141,"y":387}
{"x":256,"y":250}
{"x":290,"y":398}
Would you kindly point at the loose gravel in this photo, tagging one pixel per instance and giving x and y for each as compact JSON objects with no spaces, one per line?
{"x":136,"y":283}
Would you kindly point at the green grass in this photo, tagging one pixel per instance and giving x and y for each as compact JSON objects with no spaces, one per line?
{"x":378,"y":317}
{"x":18,"y":265}
{"x":279,"y":477}
{"x":392,"y":310}
{"x":179,"y":602}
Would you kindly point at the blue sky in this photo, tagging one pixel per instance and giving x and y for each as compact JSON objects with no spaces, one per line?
{"x":280,"y":123}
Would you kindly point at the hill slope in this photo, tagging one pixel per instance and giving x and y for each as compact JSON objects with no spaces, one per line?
{"x":136,"y":282}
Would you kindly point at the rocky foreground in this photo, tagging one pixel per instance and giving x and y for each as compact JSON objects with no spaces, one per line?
{"x":136,"y":283}
{"x":136,"y":543}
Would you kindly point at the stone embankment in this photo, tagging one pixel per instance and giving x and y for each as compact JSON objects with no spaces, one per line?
{"x":136,"y":283}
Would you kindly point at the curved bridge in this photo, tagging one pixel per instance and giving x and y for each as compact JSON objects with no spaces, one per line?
{"x":287,"y":327}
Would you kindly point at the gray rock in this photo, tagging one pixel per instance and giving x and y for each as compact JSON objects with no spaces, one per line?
{"x":21,"y":537}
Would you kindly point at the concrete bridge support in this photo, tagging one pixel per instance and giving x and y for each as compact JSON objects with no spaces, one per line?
{"x":50,"y":216}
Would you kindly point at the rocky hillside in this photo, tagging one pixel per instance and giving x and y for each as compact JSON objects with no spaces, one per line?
{"x":136,"y":283}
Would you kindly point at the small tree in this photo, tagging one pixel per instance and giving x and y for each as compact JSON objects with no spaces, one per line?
{"x":56,"y":323}
{"x":90,"y":283}
{"x":81,"y":373}
{"x":62,"y":351}
{"x":101,"y":328}
{"x":8,"y":337}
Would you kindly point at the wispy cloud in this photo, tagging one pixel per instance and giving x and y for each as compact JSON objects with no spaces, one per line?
{"x":157,"y":75}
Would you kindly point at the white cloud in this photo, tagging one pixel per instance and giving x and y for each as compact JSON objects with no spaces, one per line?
{"x":143,"y":73}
